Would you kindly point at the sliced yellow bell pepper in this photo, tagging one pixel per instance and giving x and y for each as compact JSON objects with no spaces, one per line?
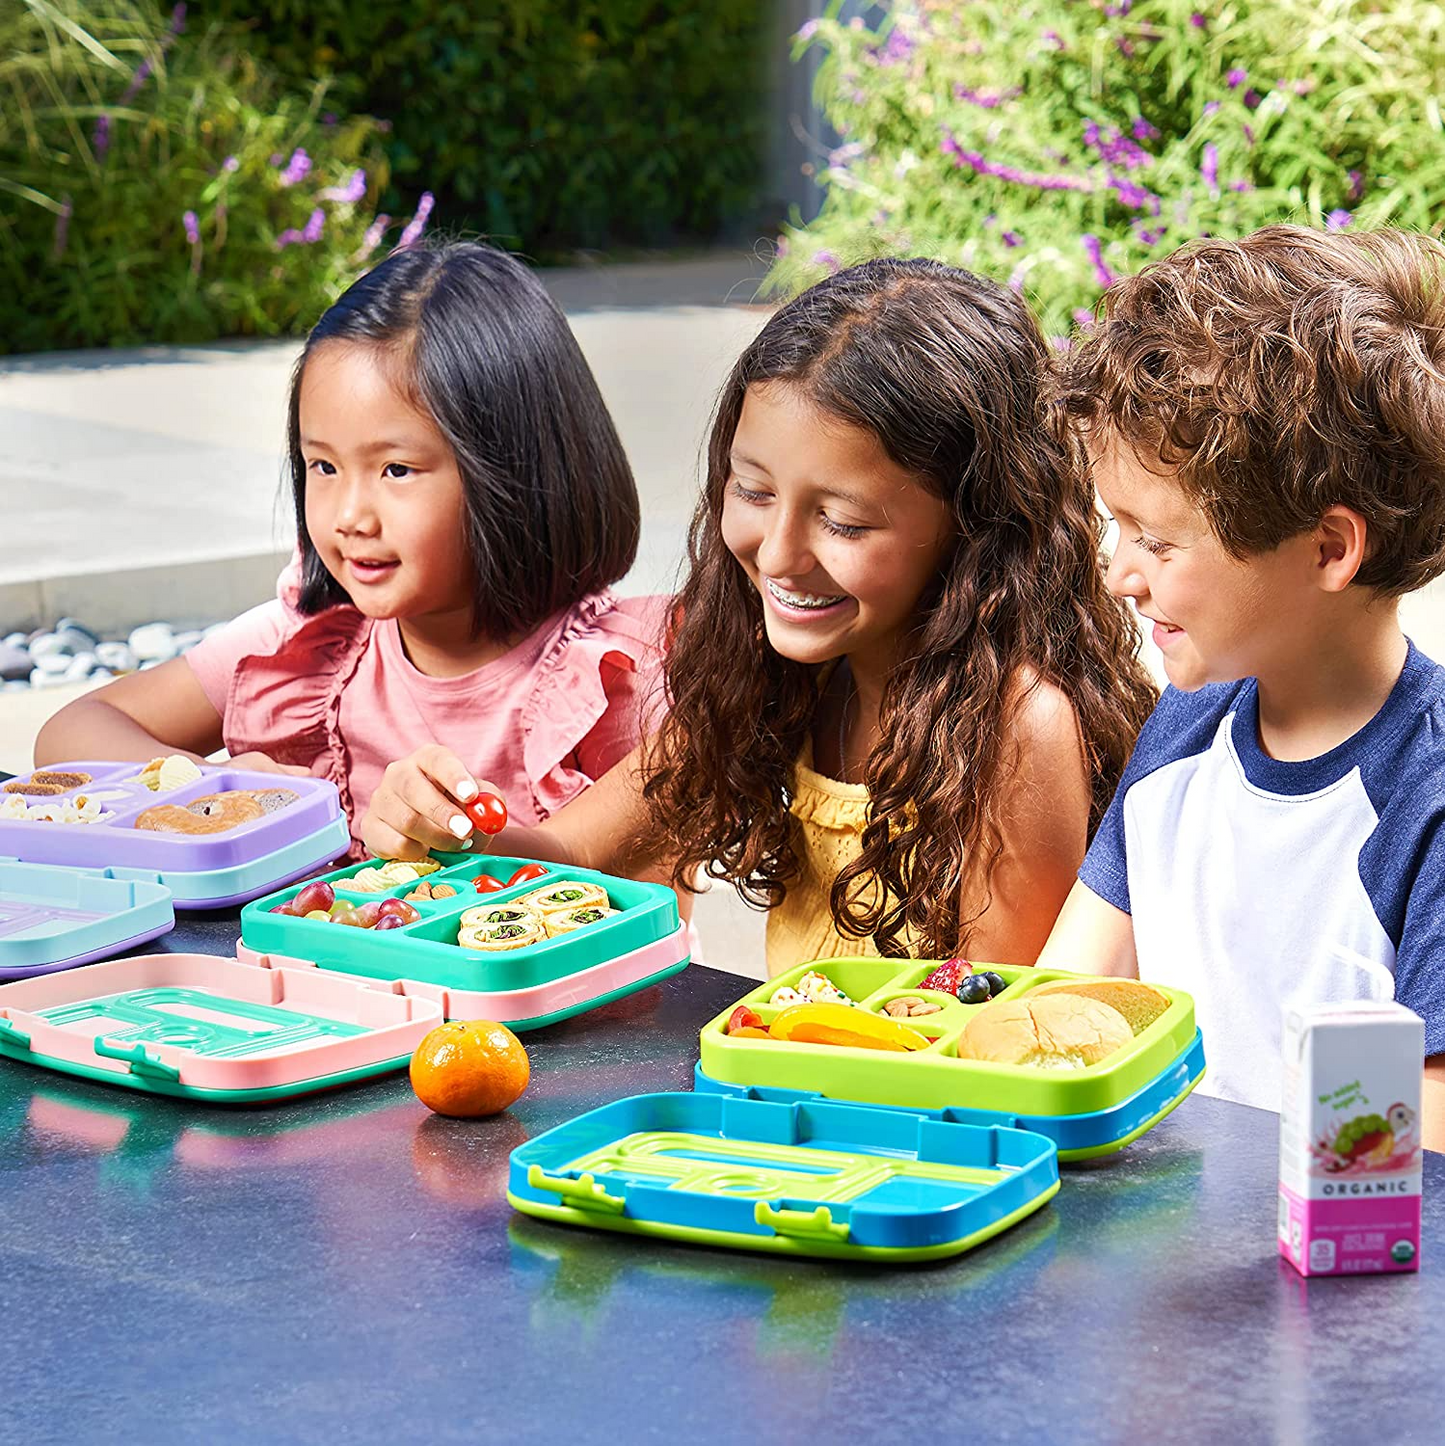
{"x":843,"y":1024}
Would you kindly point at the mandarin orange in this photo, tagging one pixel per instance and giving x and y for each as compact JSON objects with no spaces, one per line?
{"x":468,"y":1068}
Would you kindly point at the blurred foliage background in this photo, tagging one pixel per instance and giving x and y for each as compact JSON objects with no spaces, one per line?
{"x":224,"y":169}
{"x":181,"y":174}
{"x":1056,"y":144}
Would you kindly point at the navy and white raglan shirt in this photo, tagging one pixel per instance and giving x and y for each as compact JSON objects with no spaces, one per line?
{"x":1255,"y":884}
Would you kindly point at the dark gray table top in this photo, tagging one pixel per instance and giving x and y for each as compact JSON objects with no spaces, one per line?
{"x":346,"y":1269}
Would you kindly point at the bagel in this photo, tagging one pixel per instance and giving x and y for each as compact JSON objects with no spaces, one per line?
{"x":1057,"y":1031}
{"x":215,"y":813}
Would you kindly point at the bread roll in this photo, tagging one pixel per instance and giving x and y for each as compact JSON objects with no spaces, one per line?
{"x":1140,"y":1004}
{"x":1057,"y":1031}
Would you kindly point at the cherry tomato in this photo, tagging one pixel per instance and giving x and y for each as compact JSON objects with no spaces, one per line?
{"x":526,"y":872}
{"x":743,"y":1018}
{"x":487,"y":884}
{"x":487,"y":812}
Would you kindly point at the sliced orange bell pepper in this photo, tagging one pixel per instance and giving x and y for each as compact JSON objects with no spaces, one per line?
{"x":842,"y":1024}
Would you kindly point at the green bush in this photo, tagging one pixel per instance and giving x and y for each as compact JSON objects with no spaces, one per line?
{"x":1054,"y":145}
{"x":547,"y":124}
{"x":150,"y":185}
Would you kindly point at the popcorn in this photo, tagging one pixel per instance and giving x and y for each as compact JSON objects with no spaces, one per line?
{"x":81,"y":808}
{"x":813,"y":988}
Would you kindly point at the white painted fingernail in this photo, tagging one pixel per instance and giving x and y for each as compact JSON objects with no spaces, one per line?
{"x":466,"y":790}
{"x":466,"y":843}
{"x":459,"y":826}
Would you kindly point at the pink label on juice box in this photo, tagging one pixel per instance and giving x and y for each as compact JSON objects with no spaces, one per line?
{"x":1365,"y":1235}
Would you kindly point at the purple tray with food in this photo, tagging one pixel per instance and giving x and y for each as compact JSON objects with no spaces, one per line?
{"x":212,"y":834}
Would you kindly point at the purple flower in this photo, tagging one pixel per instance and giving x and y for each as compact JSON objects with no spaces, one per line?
{"x":1016,"y":281}
{"x":1240,"y":186}
{"x":1094,"y":250}
{"x":1134,"y":196}
{"x":807,"y":30}
{"x":1248,"y":135}
{"x":1121,"y":7}
{"x":1083,"y":318}
{"x":1198,"y":21}
{"x":1056,"y":41}
{"x":825,"y":258}
{"x":297,"y":168}
{"x":100,"y":137}
{"x":1147,"y":236}
{"x":1209,"y":168}
{"x":1011,"y":239}
{"x":373,"y":236}
{"x":980,"y":165}
{"x":193,"y":227}
{"x":1143,"y":131}
{"x":328,"y":118}
{"x":1236,"y":77}
{"x":1251,"y":99}
{"x":781,"y":248}
{"x":1357,"y":185}
{"x":1338,"y":220}
{"x":1125,"y":47}
{"x":315,"y":225}
{"x":231,"y":163}
{"x":1211,"y":107}
{"x":178,"y":19}
{"x":896,"y":48}
{"x":349,"y":193}
{"x":62,"y":230}
{"x":987,"y":99}
{"x":412,"y":233}
{"x":142,"y":74}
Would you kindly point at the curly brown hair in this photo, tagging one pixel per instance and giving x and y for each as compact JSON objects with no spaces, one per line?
{"x":946,"y":370}
{"x":1281,"y":375}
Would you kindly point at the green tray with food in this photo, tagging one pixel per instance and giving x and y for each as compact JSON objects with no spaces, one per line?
{"x":1092,"y":1063}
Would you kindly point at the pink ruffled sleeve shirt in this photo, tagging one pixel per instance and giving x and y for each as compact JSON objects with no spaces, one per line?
{"x":336,"y":693}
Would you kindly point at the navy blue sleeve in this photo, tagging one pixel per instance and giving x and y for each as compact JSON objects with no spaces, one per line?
{"x":1420,"y":957}
{"x":1181,"y":725}
{"x":1402,"y":866}
{"x":1403,"y":871}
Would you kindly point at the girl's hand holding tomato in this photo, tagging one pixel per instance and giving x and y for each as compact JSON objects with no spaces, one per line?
{"x":428,"y":801}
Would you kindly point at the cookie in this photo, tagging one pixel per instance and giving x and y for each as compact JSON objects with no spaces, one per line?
{"x":63,"y":780}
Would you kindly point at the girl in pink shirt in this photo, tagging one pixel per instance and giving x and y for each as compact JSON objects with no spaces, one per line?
{"x":464,"y":506}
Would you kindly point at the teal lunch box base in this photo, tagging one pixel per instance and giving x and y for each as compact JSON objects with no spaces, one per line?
{"x":803,"y":1177}
{"x":1078,"y":1137}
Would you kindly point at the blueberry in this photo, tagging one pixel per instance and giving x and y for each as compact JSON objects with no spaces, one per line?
{"x":973,"y":990}
{"x":996,"y":982}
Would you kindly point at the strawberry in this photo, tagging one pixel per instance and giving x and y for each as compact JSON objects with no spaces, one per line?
{"x":946,"y":977}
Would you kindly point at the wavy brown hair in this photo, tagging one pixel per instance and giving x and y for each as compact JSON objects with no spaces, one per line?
{"x":1280,"y":375}
{"x":947,"y":370}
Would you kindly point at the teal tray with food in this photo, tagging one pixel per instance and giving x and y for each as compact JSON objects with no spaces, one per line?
{"x":477,"y":925}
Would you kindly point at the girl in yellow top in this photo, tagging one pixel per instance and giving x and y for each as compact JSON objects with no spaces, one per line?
{"x":900,"y":695}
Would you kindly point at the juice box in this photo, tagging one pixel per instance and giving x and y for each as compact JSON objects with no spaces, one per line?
{"x":1349,"y":1139}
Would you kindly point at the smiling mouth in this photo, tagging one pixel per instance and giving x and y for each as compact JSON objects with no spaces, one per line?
{"x":804,"y":601}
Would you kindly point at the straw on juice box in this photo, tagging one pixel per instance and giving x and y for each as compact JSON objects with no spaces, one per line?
{"x":1349,"y":1143}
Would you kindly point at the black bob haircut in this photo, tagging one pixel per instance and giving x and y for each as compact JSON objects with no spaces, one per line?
{"x":551,"y":506}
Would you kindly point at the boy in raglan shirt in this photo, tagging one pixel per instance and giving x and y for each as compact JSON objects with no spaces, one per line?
{"x":1266,"y":423}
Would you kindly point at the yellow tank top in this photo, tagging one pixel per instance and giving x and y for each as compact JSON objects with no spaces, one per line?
{"x":831,"y":816}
